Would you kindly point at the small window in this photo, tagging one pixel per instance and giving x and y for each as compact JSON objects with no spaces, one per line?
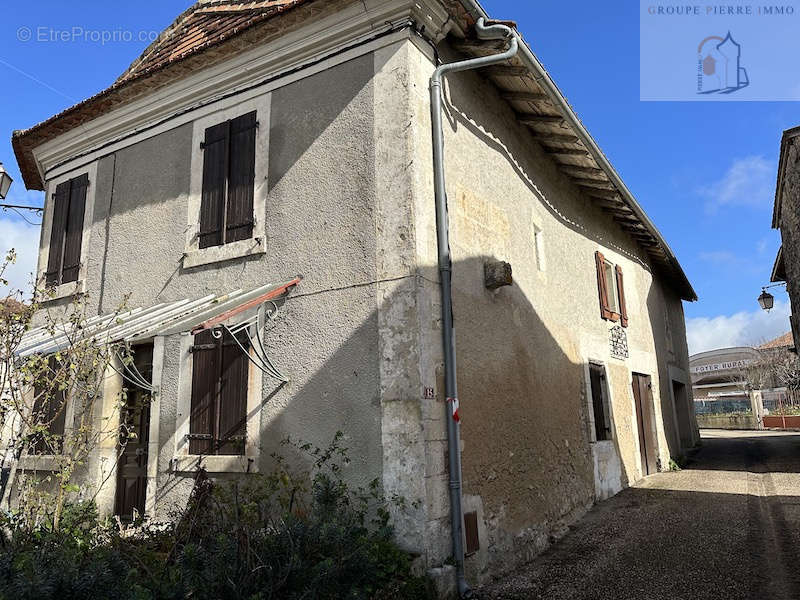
{"x":611,"y":290}
{"x":49,"y":412}
{"x":66,"y":234}
{"x":600,"y":405}
{"x":538,"y":238}
{"x":219,"y":394}
{"x":226,"y":204}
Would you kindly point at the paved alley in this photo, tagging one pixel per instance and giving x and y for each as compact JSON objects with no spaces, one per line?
{"x":725,"y":527}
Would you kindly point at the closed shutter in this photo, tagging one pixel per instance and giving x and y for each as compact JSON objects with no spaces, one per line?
{"x":232,"y":398}
{"x":602,"y":288}
{"x":205,"y":382}
{"x":57,"y":234}
{"x":623,"y":310}
{"x":239,"y":214}
{"x":215,"y":172}
{"x":49,"y":408}
{"x":74,"y":232}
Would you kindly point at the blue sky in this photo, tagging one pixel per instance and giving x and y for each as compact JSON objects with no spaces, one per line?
{"x":704,"y":171}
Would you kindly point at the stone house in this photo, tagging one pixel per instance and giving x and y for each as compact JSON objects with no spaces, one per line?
{"x":257,"y":140}
{"x":786,"y":218}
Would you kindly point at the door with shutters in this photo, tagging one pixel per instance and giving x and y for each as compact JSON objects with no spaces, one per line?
{"x":134,"y":437}
{"x":645,"y":419}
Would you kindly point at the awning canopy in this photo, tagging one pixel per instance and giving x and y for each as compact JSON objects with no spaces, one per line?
{"x":162,"y":319}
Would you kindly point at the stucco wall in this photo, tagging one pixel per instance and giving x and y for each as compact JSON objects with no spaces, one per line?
{"x":528,"y":463}
{"x":320,"y":222}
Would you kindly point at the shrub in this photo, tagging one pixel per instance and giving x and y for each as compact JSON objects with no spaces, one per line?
{"x":281,"y":535}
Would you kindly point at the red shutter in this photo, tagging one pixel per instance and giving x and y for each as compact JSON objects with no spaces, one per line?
{"x":241,"y":178}
{"x":57,"y":234}
{"x":602,"y":289}
{"x":74,"y":231}
{"x":215,"y":171}
{"x":623,"y":310}
{"x":233,"y":398}
{"x":205,"y":382}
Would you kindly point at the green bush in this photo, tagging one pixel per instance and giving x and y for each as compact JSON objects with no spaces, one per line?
{"x":262,"y":537}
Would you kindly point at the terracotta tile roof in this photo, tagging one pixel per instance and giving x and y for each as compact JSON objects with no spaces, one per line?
{"x":204,"y":23}
{"x":201,"y":36}
{"x":783,"y":341}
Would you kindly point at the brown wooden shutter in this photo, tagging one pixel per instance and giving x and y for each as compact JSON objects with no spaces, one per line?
{"x":241,"y":178}
{"x":602,"y":289}
{"x":215,"y":172}
{"x":49,"y":407}
{"x":205,"y":390}
{"x":623,"y":311}
{"x":74,"y":232}
{"x":232,"y":398}
{"x":57,"y":234}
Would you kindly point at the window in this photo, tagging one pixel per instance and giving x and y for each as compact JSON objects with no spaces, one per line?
{"x":226,"y":204}
{"x":66,"y":235}
{"x":49,"y":413}
{"x":600,"y":405}
{"x":219,"y":395}
{"x":611,"y":290}
{"x":538,"y":240}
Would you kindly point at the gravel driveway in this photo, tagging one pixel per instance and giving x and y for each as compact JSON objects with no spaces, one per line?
{"x":725,"y":527}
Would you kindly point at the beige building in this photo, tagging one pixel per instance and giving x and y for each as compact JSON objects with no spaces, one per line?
{"x":255,"y":141}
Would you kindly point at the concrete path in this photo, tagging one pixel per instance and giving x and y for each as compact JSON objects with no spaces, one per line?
{"x":725,"y":527}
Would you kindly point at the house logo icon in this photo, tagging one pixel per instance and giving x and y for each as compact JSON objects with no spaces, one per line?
{"x":719,"y":69}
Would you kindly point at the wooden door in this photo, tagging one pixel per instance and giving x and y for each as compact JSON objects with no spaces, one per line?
{"x":134,"y":438}
{"x":648,"y":444}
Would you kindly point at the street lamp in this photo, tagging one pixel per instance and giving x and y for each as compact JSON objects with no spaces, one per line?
{"x":766,"y":300}
{"x":5,"y":182}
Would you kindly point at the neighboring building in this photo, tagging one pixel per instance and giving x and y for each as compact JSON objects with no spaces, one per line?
{"x":257,"y":140}
{"x":786,"y":218}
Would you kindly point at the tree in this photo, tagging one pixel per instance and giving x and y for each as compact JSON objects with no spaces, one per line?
{"x":52,"y":406}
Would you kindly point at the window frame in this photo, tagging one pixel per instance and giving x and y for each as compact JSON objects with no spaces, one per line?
{"x":64,"y":290}
{"x":605,"y":394}
{"x":255,"y":245}
{"x":185,"y":462}
{"x":618,"y":312}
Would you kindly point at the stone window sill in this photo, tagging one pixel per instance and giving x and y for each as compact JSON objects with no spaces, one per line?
{"x":192,"y":463}
{"x":39,"y":462}
{"x":65,"y":290}
{"x":214,"y":254}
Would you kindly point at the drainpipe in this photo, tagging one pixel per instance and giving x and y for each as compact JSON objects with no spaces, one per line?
{"x":485,"y":32}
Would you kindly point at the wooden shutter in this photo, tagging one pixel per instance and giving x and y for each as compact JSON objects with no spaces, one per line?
{"x":602,"y":422}
{"x":232,"y":398}
{"x":74,"y":232}
{"x":241,"y":178}
{"x":623,"y":311}
{"x":57,"y":233}
{"x":205,"y":390}
{"x":49,"y":407}
{"x":215,"y":171}
{"x":602,"y":288}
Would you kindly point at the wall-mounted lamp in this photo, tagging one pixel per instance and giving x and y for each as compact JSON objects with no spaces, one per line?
{"x":767,"y":300}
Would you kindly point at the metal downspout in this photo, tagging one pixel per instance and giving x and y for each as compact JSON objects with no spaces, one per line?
{"x":443,"y":240}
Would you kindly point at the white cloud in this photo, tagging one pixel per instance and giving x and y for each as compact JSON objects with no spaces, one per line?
{"x":749,"y":181}
{"x":24,"y":238}
{"x":740,"y":329}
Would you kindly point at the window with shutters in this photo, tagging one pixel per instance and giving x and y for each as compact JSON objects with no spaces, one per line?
{"x":66,"y":231}
{"x":218,"y":418}
{"x":226,"y":205}
{"x":48,"y":416}
{"x":601,"y":409}
{"x":611,"y":290}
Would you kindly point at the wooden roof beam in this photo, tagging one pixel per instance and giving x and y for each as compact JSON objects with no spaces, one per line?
{"x":525,"y":96}
{"x":506,"y":70}
{"x":566,"y":151}
{"x":555,"y":137}
{"x":540,"y":119}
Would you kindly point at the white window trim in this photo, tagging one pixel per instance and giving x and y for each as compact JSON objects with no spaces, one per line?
{"x":609,"y":401}
{"x":184,"y":462}
{"x":193,"y":255}
{"x":73,"y":287}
